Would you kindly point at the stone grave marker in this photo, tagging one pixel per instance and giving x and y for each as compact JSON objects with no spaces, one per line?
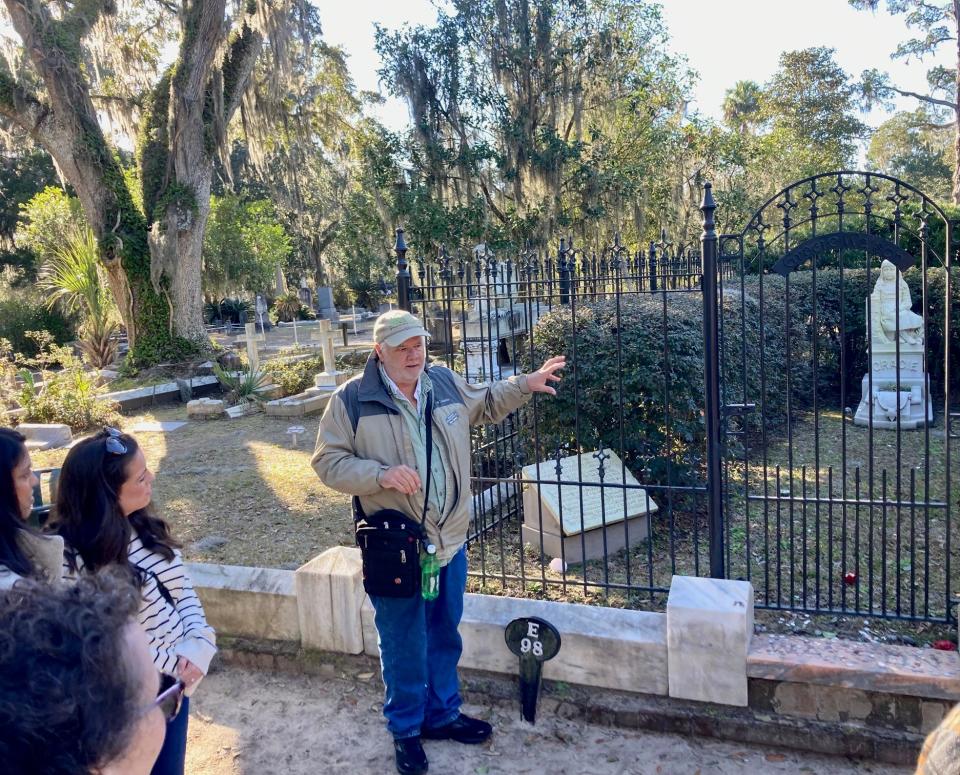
{"x":252,"y":340}
{"x":329,"y":377}
{"x":569,"y":509}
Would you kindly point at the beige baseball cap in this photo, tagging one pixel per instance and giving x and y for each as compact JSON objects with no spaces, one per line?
{"x":396,"y":326}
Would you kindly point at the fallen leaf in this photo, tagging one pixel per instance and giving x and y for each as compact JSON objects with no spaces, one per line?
{"x":775,"y":757}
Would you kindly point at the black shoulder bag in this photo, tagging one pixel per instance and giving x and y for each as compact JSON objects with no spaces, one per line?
{"x":389,"y":540}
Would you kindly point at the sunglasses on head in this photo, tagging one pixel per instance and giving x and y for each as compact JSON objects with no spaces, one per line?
{"x":113,"y":443}
{"x":170,"y":698}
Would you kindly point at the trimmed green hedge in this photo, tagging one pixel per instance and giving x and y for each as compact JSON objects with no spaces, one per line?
{"x":657,"y":370}
{"x":662,"y":388}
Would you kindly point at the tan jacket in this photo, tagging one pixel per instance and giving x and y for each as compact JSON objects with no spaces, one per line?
{"x":44,"y":552}
{"x":362,"y":433}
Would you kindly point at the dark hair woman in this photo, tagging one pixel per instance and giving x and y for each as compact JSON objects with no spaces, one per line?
{"x":24,"y":553}
{"x":78,"y":689}
{"x":103,"y":513}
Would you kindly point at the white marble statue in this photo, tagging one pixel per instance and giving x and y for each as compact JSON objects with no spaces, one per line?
{"x":895,"y":392}
{"x":893,"y":306}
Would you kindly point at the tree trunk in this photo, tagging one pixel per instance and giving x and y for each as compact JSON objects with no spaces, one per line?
{"x":153,"y":262}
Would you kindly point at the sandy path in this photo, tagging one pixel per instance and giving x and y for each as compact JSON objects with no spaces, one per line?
{"x":249,"y":723}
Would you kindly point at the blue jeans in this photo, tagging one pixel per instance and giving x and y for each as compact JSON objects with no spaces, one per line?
{"x":174,"y":752}
{"x":419,"y":651}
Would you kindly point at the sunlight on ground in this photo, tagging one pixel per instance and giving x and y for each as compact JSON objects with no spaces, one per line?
{"x":212,"y":749}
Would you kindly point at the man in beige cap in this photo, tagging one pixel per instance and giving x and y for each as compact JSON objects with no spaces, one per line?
{"x":372,"y":444}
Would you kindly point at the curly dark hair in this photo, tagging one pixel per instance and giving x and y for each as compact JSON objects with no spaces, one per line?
{"x":13,"y":449}
{"x":87,"y":513}
{"x":68,"y":692}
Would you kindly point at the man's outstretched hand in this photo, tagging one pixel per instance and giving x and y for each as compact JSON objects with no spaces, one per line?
{"x":537,"y":381}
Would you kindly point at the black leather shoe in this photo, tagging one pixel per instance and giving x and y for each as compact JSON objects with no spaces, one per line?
{"x":411,"y":760}
{"x":463,"y":729}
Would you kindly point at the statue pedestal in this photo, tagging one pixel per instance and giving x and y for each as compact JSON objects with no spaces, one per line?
{"x":481,"y":356}
{"x":887,"y":403}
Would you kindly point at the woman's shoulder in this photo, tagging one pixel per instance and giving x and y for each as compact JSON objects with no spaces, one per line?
{"x":45,"y":553}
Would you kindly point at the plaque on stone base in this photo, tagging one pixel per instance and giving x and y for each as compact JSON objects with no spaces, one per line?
{"x":594,"y":505}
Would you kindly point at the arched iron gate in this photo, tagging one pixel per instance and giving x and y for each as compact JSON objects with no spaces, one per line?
{"x":831,"y":499}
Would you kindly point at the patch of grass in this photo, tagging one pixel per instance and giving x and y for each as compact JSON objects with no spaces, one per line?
{"x":240,"y":480}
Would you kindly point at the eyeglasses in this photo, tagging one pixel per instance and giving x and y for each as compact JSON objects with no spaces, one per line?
{"x":170,"y":699}
{"x":113,"y":444}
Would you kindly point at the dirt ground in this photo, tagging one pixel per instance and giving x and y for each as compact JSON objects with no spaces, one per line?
{"x":247,"y":723}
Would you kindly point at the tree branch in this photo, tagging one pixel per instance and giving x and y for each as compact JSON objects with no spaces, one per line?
{"x":924,"y":98}
{"x":20,"y":105}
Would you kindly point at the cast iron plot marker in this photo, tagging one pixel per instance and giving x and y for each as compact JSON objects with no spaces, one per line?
{"x":534,"y":641}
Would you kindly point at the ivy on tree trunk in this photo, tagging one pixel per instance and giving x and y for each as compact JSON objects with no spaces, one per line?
{"x":152,"y":258}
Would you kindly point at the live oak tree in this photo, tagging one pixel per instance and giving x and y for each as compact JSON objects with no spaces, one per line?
{"x":89,"y":64}
{"x":936,"y":23}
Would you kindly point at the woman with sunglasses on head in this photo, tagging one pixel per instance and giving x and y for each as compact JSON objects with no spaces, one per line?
{"x":103,"y":513}
{"x":24,"y":553}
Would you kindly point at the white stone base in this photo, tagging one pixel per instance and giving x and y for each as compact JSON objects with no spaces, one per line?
{"x":329,"y":379}
{"x":709,"y":627}
{"x":329,"y":597}
{"x":591,"y":545}
{"x":909,"y":409}
{"x":608,"y":647}
{"x":478,"y":357}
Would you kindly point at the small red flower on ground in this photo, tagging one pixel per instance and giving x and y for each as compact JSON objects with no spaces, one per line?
{"x":849,"y":578}
{"x":945,"y":645}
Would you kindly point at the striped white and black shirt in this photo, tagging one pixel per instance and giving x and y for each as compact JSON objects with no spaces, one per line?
{"x":170,"y":611}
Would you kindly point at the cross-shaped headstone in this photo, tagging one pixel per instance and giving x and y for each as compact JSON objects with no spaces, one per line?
{"x":329,"y":377}
{"x":252,"y":338}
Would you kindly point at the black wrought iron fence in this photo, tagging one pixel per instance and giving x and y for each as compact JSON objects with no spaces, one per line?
{"x":599,"y":492}
{"x":703,"y":425}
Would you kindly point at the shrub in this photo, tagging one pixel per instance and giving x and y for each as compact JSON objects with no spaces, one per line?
{"x":294,"y":376}
{"x":68,"y":394}
{"x":25,"y":310}
{"x":245,"y":385}
{"x":657,"y":375}
{"x":289,"y":307}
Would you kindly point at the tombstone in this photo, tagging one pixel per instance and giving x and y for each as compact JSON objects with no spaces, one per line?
{"x":325,"y":307}
{"x":592,"y":516}
{"x":329,"y":377}
{"x":895,"y":392}
{"x":489,"y":327}
{"x":306,"y":297}
{"x":205,"y":409}
{"x":262,"y":313}
{"x":252,"y":340}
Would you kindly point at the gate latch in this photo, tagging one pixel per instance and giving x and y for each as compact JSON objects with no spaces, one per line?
{"x":952,"y":431}
{"x":738,"y":411}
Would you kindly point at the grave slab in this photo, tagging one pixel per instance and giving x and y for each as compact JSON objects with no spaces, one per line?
{"x":156,"y":427}
{"x":330,"y":594}
{"x":873,"y":667}
{"x":709,"y":628}
{"x":299,"y":405}
{"x":560,"y":511}
{"x":46,"y":435}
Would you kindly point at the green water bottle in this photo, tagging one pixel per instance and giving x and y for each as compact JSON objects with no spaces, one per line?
{"x":430,"y":573}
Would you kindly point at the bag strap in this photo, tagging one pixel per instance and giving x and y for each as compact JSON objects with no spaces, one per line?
{"x":358,"y":512}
